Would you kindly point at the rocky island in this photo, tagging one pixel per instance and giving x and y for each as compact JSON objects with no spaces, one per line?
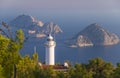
{"x":34,"y":27}
{"x":93,"y":35}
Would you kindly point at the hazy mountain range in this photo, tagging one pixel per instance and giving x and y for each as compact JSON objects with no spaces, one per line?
{"x":93,"y":35}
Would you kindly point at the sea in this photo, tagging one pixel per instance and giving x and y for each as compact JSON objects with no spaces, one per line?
{"x":71,"y":25}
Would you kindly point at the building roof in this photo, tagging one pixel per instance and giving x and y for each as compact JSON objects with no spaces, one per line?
{"x":55,"y":67}
{"x":50,"y":37}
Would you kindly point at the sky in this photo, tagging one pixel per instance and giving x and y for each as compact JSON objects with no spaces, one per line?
{"x":61,"y":4}
{"x":64,"y":6}
{"x":87,"y":10}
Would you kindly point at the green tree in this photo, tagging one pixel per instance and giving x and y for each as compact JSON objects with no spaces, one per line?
{"x":1,"y":72}
{"x":48,"y":73}
{"x":12,"y":53}
{"x":19,"y":38}
{"x":37,"y":72}
{"x":4,"y":43}
{"x":117,"y":71}
{"x":9,"y":50}
{"x":35,"y":57}
{"x":25,"y":68}
{"x":79,"y":71}
{"x":61,"y":74}
{"x":100,"y":68}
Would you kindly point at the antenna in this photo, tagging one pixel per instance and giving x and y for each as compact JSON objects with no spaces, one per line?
{"x":51,"y":27}
{"x":54,"y":36}
{"x":35,"y":49}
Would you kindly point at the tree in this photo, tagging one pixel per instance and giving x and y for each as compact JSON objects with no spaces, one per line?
{"x":116,"y":73}
{"x":100,"y":68}
{"x":4,"y":43}
{"x":61,"y":74}
{"x":1,"y":72}
{"x":9,"y":49}
{"x":37,"y":72}
{"x":79,"y":71}
{"x":25,"y":68}
{"x":19,"y":37}
{"x":35,"y":57}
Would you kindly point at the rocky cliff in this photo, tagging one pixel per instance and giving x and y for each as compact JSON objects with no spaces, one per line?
{"x":26,"y":21}
{"x":51,"y":28}
{"x":31,"y":25}
{"x":93,"y":35}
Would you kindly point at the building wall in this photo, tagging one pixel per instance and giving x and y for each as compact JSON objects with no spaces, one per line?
{"x":50,"y":55}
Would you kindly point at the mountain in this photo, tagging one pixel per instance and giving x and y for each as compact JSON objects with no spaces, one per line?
{"x":33,"y":26}
{"x":93,"y":35}
{"x":51,"y":28}
{"x":26,"y":21}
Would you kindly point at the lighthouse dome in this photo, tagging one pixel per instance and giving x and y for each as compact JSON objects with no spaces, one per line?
{"x":50,"y":38}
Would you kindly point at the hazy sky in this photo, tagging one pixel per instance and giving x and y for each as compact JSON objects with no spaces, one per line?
{"x":56,"y":6}
{"x":63,"y":5}
{"x":88,"y":11}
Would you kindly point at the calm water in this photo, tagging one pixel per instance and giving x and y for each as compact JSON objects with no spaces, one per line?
{"x":76,"y":55}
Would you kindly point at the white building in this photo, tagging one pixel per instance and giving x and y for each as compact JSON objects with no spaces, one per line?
{"x":50,"y":51}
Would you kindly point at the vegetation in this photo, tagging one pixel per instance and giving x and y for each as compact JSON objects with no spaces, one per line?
{"x":13,"y":65}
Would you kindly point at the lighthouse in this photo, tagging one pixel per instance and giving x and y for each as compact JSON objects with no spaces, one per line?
{"x":50,"y":50}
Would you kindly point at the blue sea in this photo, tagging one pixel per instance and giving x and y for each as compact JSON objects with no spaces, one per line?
{"x":71,"y":26}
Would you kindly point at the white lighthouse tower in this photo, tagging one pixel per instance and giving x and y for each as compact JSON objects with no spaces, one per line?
{"x":50,"y":50}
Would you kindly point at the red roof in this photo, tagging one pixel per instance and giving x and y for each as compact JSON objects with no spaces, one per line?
{"x":56,"y":67}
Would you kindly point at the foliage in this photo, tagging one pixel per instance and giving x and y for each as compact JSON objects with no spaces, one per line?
{"x":19,"y":37}
{"x":117,"y":71}
{"x":9,"y":50}
{"x":100,"y":68}
{"x":1,"y":72}
{"x":25,"y":68}
{"x":79,"y":71}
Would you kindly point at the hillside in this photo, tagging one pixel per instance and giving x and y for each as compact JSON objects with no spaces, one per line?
{"x":34,"y":27}
{"x":93,"y":35}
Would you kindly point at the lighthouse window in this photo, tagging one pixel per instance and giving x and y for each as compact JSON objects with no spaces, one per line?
{"x":49,"y":39}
